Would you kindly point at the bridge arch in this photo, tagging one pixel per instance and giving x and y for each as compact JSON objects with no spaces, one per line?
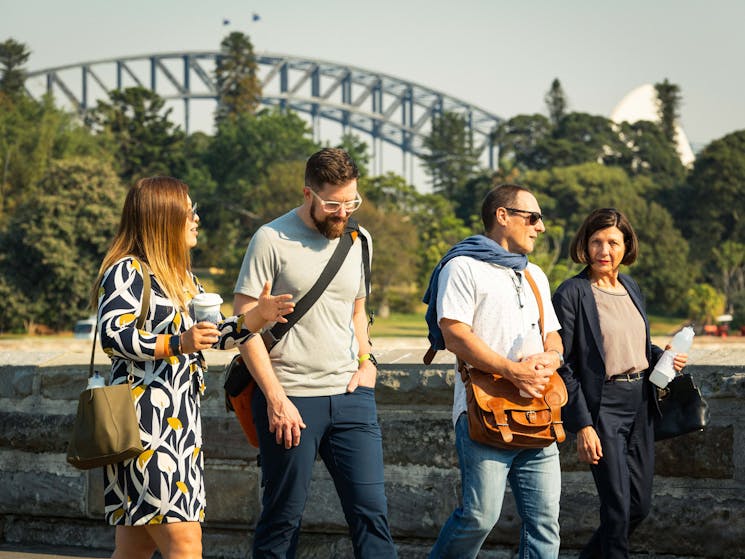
{"x":386,"y":108}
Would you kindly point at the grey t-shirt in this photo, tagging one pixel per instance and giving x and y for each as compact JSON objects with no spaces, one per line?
{"x":318,"y":355}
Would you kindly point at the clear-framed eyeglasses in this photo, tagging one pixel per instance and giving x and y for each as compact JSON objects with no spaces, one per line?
{"x":193,"y":215}
{"x":332,"y":206}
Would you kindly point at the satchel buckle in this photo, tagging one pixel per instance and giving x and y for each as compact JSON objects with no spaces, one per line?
{"x":531,"y":416}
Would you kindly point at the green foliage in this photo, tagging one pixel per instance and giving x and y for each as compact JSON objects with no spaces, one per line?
{"x":396,"y":249}
{"x":55,"y":242}
{"x":237,"y":77}
{"x":669,"y":98}
{"x":357,"y":150}
{"x":556,"y":102}
{"x":568,"y":194}
{"x":255,"y":164}
{"x":704,"y":303}
{"x":729,"y":260}
{"x":143,"y":140}
{"x":13,"y":55}
{"x":715,"y":205}
{"x":32,"y":134}
{"x":452,"y":158}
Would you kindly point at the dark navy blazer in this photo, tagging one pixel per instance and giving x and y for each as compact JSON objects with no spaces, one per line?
{"x":584,"y":370}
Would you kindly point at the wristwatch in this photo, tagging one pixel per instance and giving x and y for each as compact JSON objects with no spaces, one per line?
{"x":561,"y":356}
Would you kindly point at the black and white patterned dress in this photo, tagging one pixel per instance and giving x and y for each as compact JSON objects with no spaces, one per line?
{"x":166,"y":482}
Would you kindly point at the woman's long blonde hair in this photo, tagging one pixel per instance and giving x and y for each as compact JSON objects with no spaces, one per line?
{"x":152,"y":229}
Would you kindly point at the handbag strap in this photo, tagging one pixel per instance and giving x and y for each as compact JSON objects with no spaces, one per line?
{"x":140,"y":317}
{"x":352,"y":231}
{"x":538,"y":299}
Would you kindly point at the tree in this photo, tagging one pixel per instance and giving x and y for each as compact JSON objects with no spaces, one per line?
{"x":136,"y":126}
{"x":451,"y":157}
{"x":240,"y":159}
{"x":55,"y":243}
{"x":396,"y":251}
{"x":714,"y":202}
{"x":729,"y":260}
{"x":704,"y":303}
{"x":568,"y":194}
{"x":238,"y":85}
{"x":13,"y":55}
{"x":32,"y":134}
{"x":556,"y":102}
{"x":669,"y":98}
{"x":357,"y":150}
{"x":518,"y":138}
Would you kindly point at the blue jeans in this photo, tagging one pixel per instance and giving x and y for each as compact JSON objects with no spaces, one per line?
{"x":344,"y":430}
{"x":535,"y":479}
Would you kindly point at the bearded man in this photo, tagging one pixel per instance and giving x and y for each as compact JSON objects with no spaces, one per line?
{"x":318,"y":385}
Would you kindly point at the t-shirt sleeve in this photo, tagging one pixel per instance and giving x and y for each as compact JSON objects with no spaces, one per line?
{"x":456,"y":292}
{"x":259,"y":265}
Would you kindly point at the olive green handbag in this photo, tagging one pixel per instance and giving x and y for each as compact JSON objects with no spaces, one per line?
{"x":106,"y":430}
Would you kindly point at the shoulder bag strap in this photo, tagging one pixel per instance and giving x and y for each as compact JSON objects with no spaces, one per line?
{"x":538,"y":299}
{"x":272,"y":336}
{"x":140,"y":318}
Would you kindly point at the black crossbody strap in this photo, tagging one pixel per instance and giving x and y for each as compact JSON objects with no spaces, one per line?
{"x":272,"y":336}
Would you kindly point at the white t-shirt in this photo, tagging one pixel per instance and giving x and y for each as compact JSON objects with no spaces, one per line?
{"x":499,"y":306}
{"x":318,"y":355}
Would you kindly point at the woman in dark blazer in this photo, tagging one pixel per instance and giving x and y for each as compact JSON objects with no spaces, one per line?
{"x":608,"y":358}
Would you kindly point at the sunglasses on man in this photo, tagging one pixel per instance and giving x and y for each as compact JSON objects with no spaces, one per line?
{"x":533,"y":217}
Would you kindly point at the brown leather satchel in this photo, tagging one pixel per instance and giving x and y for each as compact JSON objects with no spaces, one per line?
{"x":498,"y":416}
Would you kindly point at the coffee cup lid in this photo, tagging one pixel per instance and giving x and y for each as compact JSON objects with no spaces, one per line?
{"x":206,"y":299}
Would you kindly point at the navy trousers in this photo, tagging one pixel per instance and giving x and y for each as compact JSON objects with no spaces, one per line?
{"x":344,"y":430}
{"x":623,"y":476}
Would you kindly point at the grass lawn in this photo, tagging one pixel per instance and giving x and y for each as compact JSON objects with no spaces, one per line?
{"x":413,"y":325}
{"x":665,"y":325}
{"x":399,"y":326}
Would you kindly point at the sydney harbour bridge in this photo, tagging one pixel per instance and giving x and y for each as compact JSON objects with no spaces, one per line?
{"x":383,"y":108}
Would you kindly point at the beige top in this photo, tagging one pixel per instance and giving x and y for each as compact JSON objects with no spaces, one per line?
{"x":623,"y":332}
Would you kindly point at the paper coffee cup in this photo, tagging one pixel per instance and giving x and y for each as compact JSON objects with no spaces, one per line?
{"x":205,"y":307}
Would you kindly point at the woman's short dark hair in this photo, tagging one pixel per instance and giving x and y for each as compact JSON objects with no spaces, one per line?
{"x":501,"y":196}
{"x":603,"y":218}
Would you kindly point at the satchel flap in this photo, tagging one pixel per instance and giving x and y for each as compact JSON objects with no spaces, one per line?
{"x":487,"y":386}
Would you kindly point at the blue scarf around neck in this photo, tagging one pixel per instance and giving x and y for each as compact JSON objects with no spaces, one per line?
{"x":480,"y":248}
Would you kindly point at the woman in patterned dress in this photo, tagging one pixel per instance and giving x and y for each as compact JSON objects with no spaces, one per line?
{"x":157,"y":501}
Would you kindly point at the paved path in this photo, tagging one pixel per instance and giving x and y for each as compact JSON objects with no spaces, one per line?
{"x":8,"y":551}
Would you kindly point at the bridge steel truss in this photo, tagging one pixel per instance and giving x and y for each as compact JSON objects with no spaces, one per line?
{"x":386,"y":108}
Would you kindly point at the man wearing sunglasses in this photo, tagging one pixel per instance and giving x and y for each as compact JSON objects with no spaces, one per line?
{"x":481,"y":309}
{"x":317,"y":392}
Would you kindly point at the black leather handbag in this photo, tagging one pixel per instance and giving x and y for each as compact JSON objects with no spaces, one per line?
{"x":683,"y":409}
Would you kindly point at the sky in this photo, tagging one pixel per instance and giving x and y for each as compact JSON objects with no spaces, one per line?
{"x":499,"y":55}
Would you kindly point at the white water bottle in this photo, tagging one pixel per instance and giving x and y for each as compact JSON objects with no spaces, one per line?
{"x":96,"y":380}
{"x":664,"y":372}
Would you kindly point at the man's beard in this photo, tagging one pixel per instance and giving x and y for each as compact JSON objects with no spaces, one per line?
{"x":331,"y":227}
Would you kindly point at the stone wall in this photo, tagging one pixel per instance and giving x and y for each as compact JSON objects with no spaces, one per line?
{"x":698,"y":509}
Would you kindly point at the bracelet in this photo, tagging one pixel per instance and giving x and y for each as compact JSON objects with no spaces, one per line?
{"x":367,"y":356}
{"x":174,"y":344}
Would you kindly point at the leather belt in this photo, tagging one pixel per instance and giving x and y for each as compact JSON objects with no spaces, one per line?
{"x":626,"y":377}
